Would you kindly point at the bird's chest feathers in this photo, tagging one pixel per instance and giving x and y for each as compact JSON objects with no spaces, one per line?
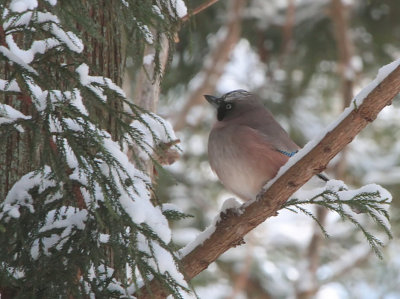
{"x":236,"y":162}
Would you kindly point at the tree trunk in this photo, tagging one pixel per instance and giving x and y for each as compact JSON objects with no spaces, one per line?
{"x":18,"y":157}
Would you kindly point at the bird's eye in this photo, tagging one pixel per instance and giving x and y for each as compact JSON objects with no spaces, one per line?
{"x":228,"y":106}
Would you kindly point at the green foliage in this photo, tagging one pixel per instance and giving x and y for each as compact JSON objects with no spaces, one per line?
{"x":373,"y":204}
{"x":78,"y":219}
{"x":136,"y":23}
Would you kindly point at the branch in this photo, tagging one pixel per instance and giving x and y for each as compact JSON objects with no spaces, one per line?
{"x":234,"y":224}
{"x":199,"y":9}
{"x":287,"y":29}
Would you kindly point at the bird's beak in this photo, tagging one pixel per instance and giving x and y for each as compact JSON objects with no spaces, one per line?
{"x":213,"y":100}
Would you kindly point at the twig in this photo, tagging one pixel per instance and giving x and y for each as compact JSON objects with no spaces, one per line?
{"x":199,"y":9}
{"x":287,"y":31}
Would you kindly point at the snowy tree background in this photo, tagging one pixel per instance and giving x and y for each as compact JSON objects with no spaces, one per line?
{"x":88,"y":204}
{"x":287,"y":52}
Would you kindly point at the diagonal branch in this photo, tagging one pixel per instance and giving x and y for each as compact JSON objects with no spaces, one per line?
{"x":235,"y":224}
{"x":199,"y":9}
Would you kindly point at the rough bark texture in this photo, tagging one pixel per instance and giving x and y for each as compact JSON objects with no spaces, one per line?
{"x":233,"y":226}
{"x":106,"y":56}
{"x":18,"y":157}
{"x":16,"y":153}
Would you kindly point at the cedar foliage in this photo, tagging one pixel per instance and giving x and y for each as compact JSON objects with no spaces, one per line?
{"x":70,"y":224}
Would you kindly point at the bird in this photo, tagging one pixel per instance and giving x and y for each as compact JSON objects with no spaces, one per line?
{"x":246,"y":145}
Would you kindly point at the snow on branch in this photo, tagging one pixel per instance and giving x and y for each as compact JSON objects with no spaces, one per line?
{"x":371,"y":200}
{"x":19,"y":196}
{"x":234,"y":224}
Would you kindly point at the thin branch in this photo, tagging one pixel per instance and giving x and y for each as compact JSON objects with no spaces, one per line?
{"x":199,"y":9}
{"x":235,"y":224}
{"x":287,"y":30}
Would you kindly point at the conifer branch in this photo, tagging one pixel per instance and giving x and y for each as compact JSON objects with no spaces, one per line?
{"x":368,"y":203}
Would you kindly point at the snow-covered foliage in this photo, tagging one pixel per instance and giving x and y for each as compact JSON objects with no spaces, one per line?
{"x":371,"y":200}
{"x":81,"y":219}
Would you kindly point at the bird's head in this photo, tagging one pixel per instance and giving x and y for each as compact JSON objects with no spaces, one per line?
{"x":233,"y":104}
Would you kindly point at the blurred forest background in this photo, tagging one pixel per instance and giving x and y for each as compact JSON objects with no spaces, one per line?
{"x":306,"y":59}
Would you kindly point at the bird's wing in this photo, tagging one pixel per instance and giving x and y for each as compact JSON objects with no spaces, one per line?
{"x":255,"y":143}
{"x":263,"y":122}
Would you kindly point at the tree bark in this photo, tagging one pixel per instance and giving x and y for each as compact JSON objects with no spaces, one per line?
{"x":18,"y":156}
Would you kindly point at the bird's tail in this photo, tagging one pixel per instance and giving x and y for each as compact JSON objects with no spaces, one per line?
{"x":323,"y":177}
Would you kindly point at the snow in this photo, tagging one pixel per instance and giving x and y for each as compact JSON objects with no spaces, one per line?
{"x":9,"y":85}
{"x":97,"y":84}
{"x":8,"y":114}
{"x":17,"y":60}
{"x":200,"y":238}
{"x":66,"y":218}
{"x":70,"y":155}
{"x":153,"y":130}
{"x":22,"y":20}
{"x":160,"y":260}
{"x":148,"y":59}
{"x":380,"y":201}
{"x":148,"y":36}
{"x":19,"y":195}
{"x":166,"y":264}
{"x":27,"y":56}
{"x":157,"y":11}
{"x":104,"y":238}
{"x":83,"y":72}
{"x":382,"y":74}
{"x":23,"y":5}
{"x":180,"y":7}
{"x":230,"y":203}
{"x":68,"y":38}
{"x":136,"y":200}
